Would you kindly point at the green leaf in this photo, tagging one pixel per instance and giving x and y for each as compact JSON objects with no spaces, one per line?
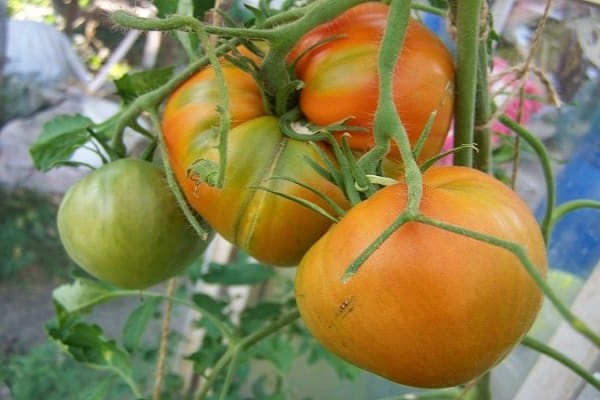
{"x":343,"y":369}
{"x":87,"y":344}
{"x":133,"y":85}
{"x":208,"y":303}
{"x":83,"y":294}
{"x":95,"y":392}
{"x":239,"y":273}
{"x":138,"y":320}
{"x":202,"y":6}
{"x":59,"y":139}
{"x":165,"y":7}
{"x":278,"y":351}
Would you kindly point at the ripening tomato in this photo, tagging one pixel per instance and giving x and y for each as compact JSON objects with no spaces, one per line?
{"x":340,"y":76}
{"x":271,"y":228}
{"x":122,"y":224}
{"x":428,"y":308}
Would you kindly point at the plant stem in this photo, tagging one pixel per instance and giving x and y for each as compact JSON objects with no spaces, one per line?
{"x":538,"y":346}
{"x":537,"y":146}
{"x":274,"y":71}
{"x":483,"y":157}
{"x":570,"y":206}
{"x":164,"y":336}
{"x":576,"y":323}
{"x":203,"y":232}
{"x":235,"y":347}
{"x":468,"y":14}
{"x":482,"y":388}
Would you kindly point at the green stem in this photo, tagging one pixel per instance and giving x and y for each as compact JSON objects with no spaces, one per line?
{"x":225,"y":330}
{"x":429,"y":9}
{"x":483,"y":133}
{"x":387,"y":125}
{"x":373,"y":246}
{"x":483,"y":390}
{"x":467,"y":23}
{"x":203,"y":233}
{"x":577,"y":324}
{"x":570,"y":206}
{"x":540,"y":347}
{"x":539,"y":148}
{"x":236,"y":347}
{"x":274,"y":72}
{"x":229,"y":376}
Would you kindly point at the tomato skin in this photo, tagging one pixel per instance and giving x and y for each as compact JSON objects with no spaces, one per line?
{"x":122,"y":224}
{"x":270,"y":228}
{"x":341,"y":80}
{"x":429,"y":308}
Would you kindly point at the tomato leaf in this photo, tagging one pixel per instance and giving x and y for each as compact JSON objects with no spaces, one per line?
{"x":165,"y":7}
{"x":82,"y":295}
{"x":59,"y":139}
{"x":239,"y":273}
{"x":138,"y":320}
{"x":343,"y":369}
{"x":87,"y":344}
{"x":133,"y":85}
{"x":208,"y":303}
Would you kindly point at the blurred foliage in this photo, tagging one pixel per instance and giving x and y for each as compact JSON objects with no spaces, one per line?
{"x":29,"y":235}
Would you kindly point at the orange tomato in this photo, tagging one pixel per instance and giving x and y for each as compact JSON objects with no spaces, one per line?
{"x":428,"y":308}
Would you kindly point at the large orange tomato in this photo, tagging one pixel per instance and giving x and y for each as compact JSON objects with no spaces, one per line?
{"x":271,"y":228}
{"x":338,"y":63}
{"x":428,"y":308}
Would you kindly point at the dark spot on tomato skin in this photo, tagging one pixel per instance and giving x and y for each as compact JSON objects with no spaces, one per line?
{"x":345,"y":307}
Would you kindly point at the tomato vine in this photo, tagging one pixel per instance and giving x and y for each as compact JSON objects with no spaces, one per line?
{"x":360,"y":177}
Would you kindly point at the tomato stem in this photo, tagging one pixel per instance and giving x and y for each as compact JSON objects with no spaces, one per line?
{"x":203,"y":233}
{"x":571,"y":206}
{"x":520,"y":252}
{"x":540,"y":150}
{"x":238,"y":346}
{"x":468,"y":28}
{"x":541,"y":347}
{"x":482,"y":136}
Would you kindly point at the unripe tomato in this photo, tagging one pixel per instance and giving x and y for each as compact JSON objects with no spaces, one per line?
{"x":272,"y":229}
{"x":428,"y":308}
{"x":340,"y":76}
{"x":122,"y":224}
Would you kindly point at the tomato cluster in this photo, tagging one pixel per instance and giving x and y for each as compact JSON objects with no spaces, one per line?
{"x":429,"y":307}
{"x":340,"y":82}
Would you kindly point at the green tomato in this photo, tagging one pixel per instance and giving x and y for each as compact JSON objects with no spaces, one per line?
{"x":122,"y":224}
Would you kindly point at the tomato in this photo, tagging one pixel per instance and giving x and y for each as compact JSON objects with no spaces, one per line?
{"x":340,"y":76}
{"x":428,"y":308}
{"x":271,"y":228}
{"x":122,"y":224}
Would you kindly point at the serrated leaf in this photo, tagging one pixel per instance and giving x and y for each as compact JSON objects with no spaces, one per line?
{"x":87,"y":344}
{"x":133,"y":85}
{"x":59,"y":139}
{"x":82,"y":295}
{"x":239,"y":273}
{"x":138,"y":320}
{"x":277,"y":351}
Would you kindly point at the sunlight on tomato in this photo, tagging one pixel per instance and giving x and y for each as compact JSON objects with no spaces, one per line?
{"x":429,"y":308}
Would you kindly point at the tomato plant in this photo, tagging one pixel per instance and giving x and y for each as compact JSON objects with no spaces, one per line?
{"x":428,"y":308}
{"x":337,"y":61}
{"x":249,"y":210}
{"x":429,"y":281}
{"x":122,"y":224}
